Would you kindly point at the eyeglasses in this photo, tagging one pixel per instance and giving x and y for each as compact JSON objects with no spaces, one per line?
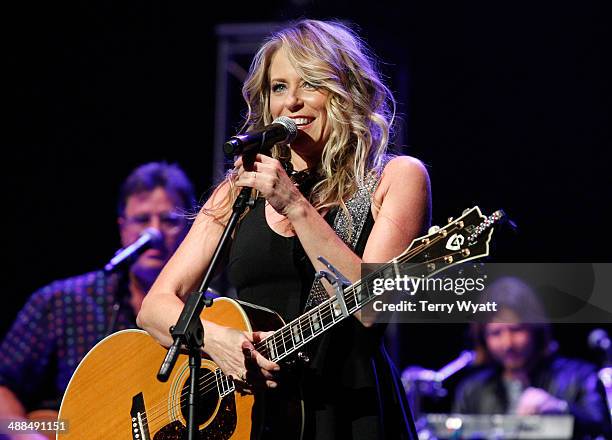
{"x":168,"y":221}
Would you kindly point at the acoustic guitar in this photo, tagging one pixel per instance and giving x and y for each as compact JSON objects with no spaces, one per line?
{"x":114,"y":393}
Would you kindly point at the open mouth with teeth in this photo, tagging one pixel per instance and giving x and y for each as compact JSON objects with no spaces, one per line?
{"x":302,"y":122}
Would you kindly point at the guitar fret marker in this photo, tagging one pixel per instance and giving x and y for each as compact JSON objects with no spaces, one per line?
{"x":271,"y":350}
{"x":315,"y":321}
{"x":296,"y":333}
{"x":337,"y":309}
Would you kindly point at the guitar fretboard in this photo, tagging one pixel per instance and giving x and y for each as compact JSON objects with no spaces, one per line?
{"x":415,"y":262}
{"x":317,"y":320}
{"x":423,"y":258}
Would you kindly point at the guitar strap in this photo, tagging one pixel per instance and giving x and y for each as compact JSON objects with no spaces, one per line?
{"x":349,"y":228}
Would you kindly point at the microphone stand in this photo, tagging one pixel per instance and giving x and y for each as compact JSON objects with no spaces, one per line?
{"x":119,"y":270}
{"x":188,"y":330}
{"x":420,"y":382}
{"x":120,"y":264}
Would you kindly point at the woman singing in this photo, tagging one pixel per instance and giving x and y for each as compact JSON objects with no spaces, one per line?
{"x":332,"y":192}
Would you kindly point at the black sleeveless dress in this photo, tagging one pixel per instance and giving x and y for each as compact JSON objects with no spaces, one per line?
{"x":350,"y":388}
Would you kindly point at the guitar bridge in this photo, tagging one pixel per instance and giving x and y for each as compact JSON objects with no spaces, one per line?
{"x":140,"y":428}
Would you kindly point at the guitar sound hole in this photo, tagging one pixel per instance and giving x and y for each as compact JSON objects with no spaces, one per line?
{"x":209,"y":397}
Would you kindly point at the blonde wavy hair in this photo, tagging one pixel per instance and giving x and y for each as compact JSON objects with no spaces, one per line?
{"x":360,"y":107}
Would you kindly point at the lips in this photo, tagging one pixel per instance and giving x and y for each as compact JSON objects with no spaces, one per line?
{"x":154,"y":253}
{"x":302,"y":121}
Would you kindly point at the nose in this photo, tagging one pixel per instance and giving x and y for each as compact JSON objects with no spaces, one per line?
{"x":155,"y":222}
{"x":505,"y":339}
{"x":293,"y":100}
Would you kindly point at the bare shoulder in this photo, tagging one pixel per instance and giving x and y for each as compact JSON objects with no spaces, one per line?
{"x":404,"y":170}
{"x":401,"y":207}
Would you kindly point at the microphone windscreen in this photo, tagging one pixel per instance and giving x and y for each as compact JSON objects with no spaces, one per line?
{"x":598,"y":339}
{"x":155,"y":235}
{"x":289,"y":124}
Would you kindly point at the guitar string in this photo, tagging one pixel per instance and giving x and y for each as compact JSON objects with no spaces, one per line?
{"x":349,"y":296}
{"x":351,"y":292}
{"x":211,"y":379}
{"x":212,"y":376}
{"x":210,"y":382}
{"x":262,"y":347}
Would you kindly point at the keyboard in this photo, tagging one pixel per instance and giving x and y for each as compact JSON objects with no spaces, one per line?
{"x":495,"y":427}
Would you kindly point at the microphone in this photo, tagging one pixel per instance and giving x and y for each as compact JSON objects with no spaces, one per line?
{"x":150,"y":237}
{"x":465,"y":359}
{"x":419,"y":381}
{"x":412,"y":374}
{"x":599,"y":340}
{"x":282,"y":130}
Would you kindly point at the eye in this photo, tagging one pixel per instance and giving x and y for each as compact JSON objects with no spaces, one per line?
{"x":171,"y":219}
{"x":309,"y":86}
{"x":492,"y":333}
{"x":140,"y":219}
{"x":278,"y":87}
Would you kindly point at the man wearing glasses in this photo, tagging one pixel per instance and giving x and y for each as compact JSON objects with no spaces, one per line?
{"x":62,"y":321}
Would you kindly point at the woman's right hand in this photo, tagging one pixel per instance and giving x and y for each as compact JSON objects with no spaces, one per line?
{"x":233,"y":351}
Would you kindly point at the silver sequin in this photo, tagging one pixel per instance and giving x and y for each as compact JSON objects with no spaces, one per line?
{"x":349,"y":228}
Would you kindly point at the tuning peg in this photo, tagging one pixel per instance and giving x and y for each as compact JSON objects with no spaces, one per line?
{"x":465,"y":211}
{"x":450,"y":219}
{"x":433,"y":229}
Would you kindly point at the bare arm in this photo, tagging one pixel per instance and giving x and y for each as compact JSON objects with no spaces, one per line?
{"x":403,"y":197}
{"x":181,"y":275}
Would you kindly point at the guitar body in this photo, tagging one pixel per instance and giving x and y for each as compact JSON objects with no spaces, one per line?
{"x":114,"y":393}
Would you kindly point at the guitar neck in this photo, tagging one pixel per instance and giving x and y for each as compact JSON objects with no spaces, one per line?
{"x":294,"y":335}
{"x":426,"y":256}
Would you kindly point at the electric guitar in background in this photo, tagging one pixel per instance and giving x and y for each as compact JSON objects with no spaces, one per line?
{"x":114,"y":393}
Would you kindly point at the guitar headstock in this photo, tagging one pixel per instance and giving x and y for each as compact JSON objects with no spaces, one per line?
{"x":462,"y":239}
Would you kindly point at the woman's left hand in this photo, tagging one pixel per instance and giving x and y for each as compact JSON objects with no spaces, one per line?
{"x":267,"y":176}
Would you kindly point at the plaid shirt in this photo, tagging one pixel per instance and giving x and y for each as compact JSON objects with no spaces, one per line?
{"x":58,"y":325}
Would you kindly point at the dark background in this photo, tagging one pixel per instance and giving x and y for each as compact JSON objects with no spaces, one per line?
{"x":507,"y":104}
